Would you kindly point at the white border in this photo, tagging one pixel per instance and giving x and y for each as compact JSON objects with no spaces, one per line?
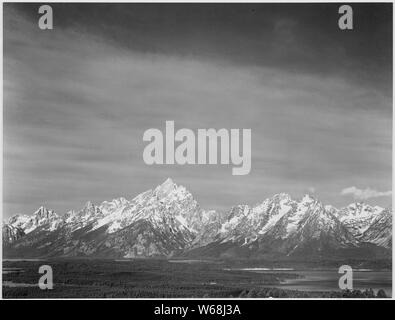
{"x":188,"y":1}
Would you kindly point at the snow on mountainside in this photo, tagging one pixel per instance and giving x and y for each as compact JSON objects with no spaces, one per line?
{"x":357,"y":217}
{"x":11,"y":234}
{"x":19,"y":221}
{"x":280,"y":225}
{"x":246,"y":224}
{"x":380,"y":230}
{"x":77,"y":220}
{"x":167,"y":221}
{"x":309,"y":220}
{"x":166,"y":200}
{"x":42,"y":217}
{"x":157,"y":222}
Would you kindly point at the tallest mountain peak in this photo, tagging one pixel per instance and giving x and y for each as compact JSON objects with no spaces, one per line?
{"x":167,"y":220}
{"x":166,"y":187}
{"x":168,"y":182}
{"x":308,"y":197}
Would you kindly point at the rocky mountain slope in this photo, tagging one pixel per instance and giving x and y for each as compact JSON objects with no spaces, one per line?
{"x":167,"y":221}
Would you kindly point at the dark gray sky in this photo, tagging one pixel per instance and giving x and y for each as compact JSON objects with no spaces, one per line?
{"x":78,"y":98}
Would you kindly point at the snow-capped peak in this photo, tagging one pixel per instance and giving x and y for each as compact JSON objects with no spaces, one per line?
{"x":331,"y":209}
{"x":308,"y":198}
{"x":357,"y":217}
{"x":281,"y":197}
{"x":43,"y":212}
{"x":108,"y":207}
{"x":166,"y":219}
{"x":165,"y":188}
{"x":167,"y":202}
{"x":90,"y":209}
{"x":88,"y":214}
{"x":19,"y":220}
{"x":360,"y":209}
{"x":42,"y":217}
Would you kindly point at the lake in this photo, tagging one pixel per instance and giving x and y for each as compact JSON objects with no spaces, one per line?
{"x":153,"y":278}
{"x":327,"y":280}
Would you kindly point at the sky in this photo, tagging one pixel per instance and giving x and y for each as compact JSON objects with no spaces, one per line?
{"x":78,"y":99}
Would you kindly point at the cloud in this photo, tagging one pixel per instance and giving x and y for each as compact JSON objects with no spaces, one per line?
{"x":364,"y":194}
{"x":79,"y":125}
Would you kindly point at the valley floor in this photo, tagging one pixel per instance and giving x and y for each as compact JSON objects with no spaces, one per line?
{"x":148,"y":278}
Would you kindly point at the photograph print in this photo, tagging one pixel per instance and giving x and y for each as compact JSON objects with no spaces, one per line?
{"x":197,"y":150}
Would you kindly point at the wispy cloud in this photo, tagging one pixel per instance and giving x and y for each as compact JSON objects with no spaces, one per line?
{"x":364,"y":194}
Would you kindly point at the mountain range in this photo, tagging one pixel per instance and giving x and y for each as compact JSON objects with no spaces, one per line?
{"x":168,"y":222}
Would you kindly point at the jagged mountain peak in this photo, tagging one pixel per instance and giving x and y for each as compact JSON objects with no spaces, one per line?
{"x":89,"y":204}
{"x":281,"y":197}
{"x":90,"y":208}
{"x":108,"y":207}
{"x":41,"y":208}
{"x":330,"y":208}
{"x":308,"y":198}
{"x":167,"y":203}
{"x":42,"y":217}
{"x":43,"y":212}
{"x":164,"y":189}
{"x":168,"y":182}
{"x":167,"y":219}
{"x":357,"y":217}
{"x":18,"y":219}
{"x":79,"y":219}
{"x":11,"y":234}
{"x":120,"y":201}
{"x":361,"y":208}
{"x":380,"y":230}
